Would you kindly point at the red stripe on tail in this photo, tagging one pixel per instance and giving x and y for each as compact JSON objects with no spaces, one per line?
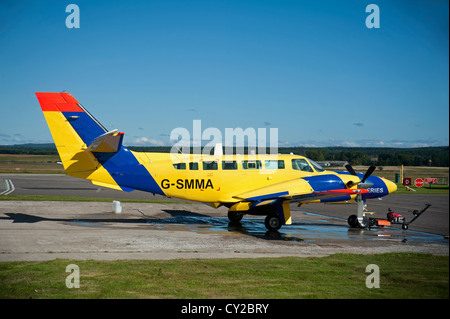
{"x":59,"y":102}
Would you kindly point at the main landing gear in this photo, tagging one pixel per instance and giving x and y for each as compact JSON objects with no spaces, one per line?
{"x":235,"y":216}
{"x":272,"y":221}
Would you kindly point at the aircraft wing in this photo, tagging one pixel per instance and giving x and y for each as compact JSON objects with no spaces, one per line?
{"x":285,"y":189}
{"x":296,"y":190}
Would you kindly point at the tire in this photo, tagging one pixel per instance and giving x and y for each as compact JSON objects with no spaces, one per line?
{"x":364,"y":223}
{"x":235,"y":216}
{"x":352,"y":221}
{"x":272,"y":222}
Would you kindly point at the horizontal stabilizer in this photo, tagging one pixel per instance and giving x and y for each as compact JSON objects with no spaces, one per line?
{"x":116,"y":187}
{"x":110,"y":142}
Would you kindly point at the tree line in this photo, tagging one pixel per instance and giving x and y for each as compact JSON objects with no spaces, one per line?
{"x":427,"y":156}
{"x":424,"y":156}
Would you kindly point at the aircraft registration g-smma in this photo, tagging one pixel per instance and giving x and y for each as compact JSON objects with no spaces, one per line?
{"x":255,"y":185}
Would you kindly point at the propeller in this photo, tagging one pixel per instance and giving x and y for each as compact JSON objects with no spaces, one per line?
{"x":362,"y":183}
{"x":368,"y":173}
{"x":350,"y":169}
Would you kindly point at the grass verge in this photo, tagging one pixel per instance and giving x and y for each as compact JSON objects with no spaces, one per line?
{"x":402,"y":275}
{"x":427,"y":189}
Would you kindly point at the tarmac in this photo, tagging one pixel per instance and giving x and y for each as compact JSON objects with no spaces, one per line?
{"x":47,"y":230}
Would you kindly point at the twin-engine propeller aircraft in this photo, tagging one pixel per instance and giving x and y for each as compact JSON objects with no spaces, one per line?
{"x":245,"y":184}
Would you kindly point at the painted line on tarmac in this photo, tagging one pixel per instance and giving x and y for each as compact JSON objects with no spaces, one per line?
{"x":9,"y":187}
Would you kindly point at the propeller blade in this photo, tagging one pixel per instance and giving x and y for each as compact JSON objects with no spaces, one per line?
{"x":368,"y":173}
{"x":350,"y":169}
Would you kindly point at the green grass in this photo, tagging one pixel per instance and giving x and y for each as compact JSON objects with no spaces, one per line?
{"x":426,"y":189}
{"x":42,"y":164}
{"x":402,"y":275}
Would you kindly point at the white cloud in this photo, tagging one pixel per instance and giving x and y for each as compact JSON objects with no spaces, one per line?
{"x":350,"y":144}
{"x":147,"y":141}
{"x":366,"y":143}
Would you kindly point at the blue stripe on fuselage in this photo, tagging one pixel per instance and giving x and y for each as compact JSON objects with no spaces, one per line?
{"x":127,"y":172}
{"x":122,"y":165}
{"x":379,"y":188}
{"x":325,"y":182}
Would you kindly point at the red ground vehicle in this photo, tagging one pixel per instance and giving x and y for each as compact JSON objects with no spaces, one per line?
{"x":394,"y":218}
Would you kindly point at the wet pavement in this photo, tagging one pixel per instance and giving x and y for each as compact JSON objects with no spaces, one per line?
{"x":311,"y":228}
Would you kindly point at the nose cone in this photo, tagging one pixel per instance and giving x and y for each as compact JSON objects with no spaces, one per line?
{"x":392,"y":187}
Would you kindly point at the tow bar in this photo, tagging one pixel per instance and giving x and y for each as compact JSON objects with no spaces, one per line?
{"x":394,"y":218}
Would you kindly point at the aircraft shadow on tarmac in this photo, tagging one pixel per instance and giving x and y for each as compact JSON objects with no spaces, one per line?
{"x":61,"y":188}
{"x":252,"y":226}
{"x":190,"y":221}
{"x":204,"y":223}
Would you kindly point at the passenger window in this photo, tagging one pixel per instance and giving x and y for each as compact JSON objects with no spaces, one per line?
{"x":229,"y":165}
{"x":193,"y":166}
{"x":180,"y":166}
{"x":251,"y":164}
{"x":272,"y":164}
{"x":210,"y":166}
{"x":301,"y":165}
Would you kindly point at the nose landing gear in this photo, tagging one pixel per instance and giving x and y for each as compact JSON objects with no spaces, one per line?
{"x":360,"y":220}
{"x":354,"y":222}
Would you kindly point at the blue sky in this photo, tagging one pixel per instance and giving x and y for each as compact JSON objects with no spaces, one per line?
{"x":312,"y":69}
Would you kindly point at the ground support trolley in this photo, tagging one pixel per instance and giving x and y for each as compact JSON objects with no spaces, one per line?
{"x":394,"y":218}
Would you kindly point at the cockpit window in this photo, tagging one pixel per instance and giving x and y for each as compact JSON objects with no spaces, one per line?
{"x":301,"y":164}
{"x":316,"y":166}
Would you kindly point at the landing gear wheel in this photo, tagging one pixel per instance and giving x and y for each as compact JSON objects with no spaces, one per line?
{"x":364,"y":223}
{"x":405,"y":227}
{"x":235,"y":216}
{"x":353,"y":221}
{"x":272,"y":222}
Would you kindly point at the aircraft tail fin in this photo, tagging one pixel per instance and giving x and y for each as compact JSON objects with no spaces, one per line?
{"x":74,"y":114}
{"x":78,"y":136}
{"x":88,"y":150}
